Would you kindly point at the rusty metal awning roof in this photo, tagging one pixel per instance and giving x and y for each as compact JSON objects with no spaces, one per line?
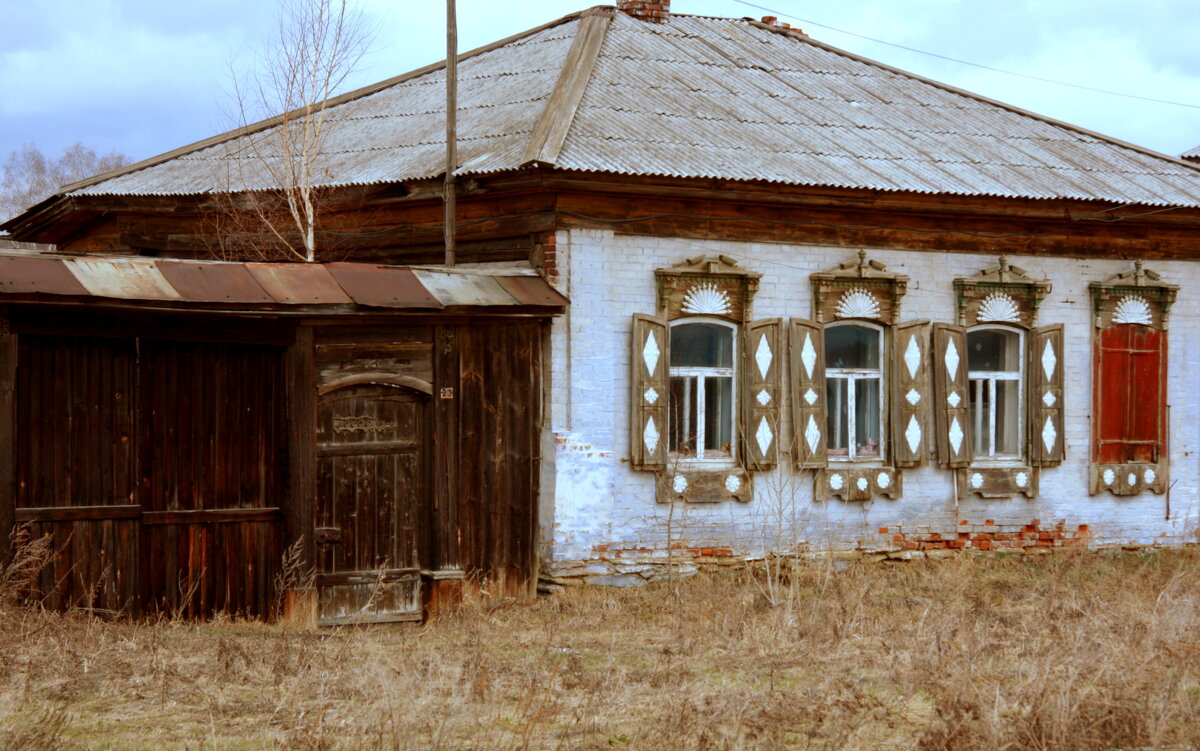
{"x":186,"y":283}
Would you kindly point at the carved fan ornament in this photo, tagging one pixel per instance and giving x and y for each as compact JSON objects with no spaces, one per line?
{"x":1000,"y":293}
{"x":999,"y":307}
{"x":857,"y":303}
{"x":1132,"y":309}
{"x":861,"y":288}
{"x":706,"y":299}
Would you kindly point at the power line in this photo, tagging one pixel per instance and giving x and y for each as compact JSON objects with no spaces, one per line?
{"x":967,"y":62}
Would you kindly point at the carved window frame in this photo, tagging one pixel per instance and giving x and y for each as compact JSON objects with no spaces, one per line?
{"x":863,"y":292}
{"x":1136,"y":303}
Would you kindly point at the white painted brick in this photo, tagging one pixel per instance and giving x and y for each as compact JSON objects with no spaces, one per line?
{"x":598,"y":500}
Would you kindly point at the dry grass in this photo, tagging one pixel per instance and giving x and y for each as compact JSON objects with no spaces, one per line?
{"x":1070,"y":651}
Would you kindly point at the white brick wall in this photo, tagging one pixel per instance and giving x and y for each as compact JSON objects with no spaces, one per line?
{"x":598,"y":503}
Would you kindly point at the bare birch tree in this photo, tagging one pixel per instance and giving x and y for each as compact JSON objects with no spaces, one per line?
{"x":317,"y":45}
{"x":28,"y":176}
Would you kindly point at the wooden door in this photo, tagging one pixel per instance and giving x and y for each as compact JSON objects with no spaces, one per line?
{"x":373,"y":486}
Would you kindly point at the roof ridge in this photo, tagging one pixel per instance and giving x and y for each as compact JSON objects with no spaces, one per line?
{"x":550,"y":130}
{"x":335,"y":101}
{"x":802,"y":37}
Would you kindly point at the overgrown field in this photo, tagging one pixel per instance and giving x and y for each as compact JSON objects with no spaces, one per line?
{"x":1064,"y":651}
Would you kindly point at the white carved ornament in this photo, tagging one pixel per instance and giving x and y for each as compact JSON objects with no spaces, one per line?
{"x":1131,"y":479}
{"x":862,"y":483}
{"x":650,"y":436}
{"x":1022,"y":479}
{"x":976,"y":480}
{"x":812,"y":435}
{"x":763,"y":357}
{"x":1049,"y":360}
{"x":764,"y":436}
{"x":1049,"y":434}
{"x":883,"y":479}
{"x":913,"y":396}
{"x":912,"y":357}
{"x":680,"y":483}
{"x":1109,"y":476}
{"x":1149,"y":476}
{"x":955,"y":434}
{"x":763,"y":397}
{"x":811,"y":397}
{"x":836,"y":482}
{"x":651,"y":395}
{"x":1049,"y":398}
{"x":733,"y":483}
{"x":808,"y":355}
{"x":999,"y":307}
{"x":951,"y":360}
{"x":954,"y":399}
{"x":706,"y":299}
{"x":912,"y":434}
{"x":650,"y":353}
{"x":857,"y":303}
{"x":1133,"y":309}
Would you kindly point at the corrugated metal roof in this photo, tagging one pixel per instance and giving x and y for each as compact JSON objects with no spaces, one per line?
{"x":334,"y":284}
{"x":699,"y":97}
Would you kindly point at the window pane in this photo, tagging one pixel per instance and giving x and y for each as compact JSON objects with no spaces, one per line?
{"x":683,"y":416}
{"x":718,"y":417}
{"x":705,"y":345}
{"x":838,"y":428}
{"x":866,"y":417}
{"x":981,"y":406}
{"x":851,"y":347}
{"x":1008,"y":406}
{"x":993,"y":350}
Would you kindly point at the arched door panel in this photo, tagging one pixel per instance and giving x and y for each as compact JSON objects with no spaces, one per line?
{"x":373,"y":487}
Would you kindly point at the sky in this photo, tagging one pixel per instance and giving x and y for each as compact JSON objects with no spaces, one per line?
{"x":146,"y":76}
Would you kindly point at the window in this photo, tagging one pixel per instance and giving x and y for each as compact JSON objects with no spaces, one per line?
{"x":994,"y":372}
{"x":854,"y":391}
{"x":1129,"y":383}
{"x":701,"y":401}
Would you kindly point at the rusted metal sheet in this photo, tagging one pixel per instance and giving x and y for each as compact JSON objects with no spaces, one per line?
{"x":122,"y":278}
{"x":382,"y":286}
{"x":213,"y":282}
{"x":456,"y":289}
{"x":26,"y":274}
{"x":532,"y":290}
{"x":298,"y":283}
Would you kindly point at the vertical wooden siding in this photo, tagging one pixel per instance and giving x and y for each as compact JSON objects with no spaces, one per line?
{"x":155,"y":467}
{"x":498,"y":450}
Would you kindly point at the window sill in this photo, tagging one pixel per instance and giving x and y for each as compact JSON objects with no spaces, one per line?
{"x":704,"y":483}
{"x":858,"y":483}
{"x":1129,"y":478}
{"x":991,"y":480}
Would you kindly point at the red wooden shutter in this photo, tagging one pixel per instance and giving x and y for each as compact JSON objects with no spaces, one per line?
{"x":809,"y":419}
{"x":760,"y":407}
{"x":1046,"y":439}
{"x":1129,"y":402}
{"x":648,"y":393}
{"x":952,"y":398}
{"x":910,"y":396}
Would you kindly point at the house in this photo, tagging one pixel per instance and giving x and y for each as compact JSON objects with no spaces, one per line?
{"x":816,"y":304}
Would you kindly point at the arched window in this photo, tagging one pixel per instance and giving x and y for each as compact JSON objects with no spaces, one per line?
{"x":854,"y":388}
{"x":701,"y":402}
{"x":995,"y":372}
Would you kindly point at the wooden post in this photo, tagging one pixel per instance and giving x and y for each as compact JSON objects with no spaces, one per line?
{"x":451,"y":130}
{"x":8,"y":453}
{"x":300,"y":376}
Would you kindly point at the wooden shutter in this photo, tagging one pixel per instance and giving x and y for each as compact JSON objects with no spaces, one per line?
{"x":910,"y":395}
{"x":1046,"y":445}
{"x":760,"y":374}
{"x":648,"y":393}
{"x":951,"y":396}
{"x":809,"y":419}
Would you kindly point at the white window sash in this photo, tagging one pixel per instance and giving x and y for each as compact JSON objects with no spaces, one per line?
{"x":849,"y":378}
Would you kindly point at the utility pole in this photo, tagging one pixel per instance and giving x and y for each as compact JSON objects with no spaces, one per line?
{"x":448,"y":191}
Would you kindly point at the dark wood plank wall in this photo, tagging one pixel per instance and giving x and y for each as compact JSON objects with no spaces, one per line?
{"x":75,"y":466}
{"x":211,"y":441}
{"x":156,"y":467}
{"x":503,"y":217}
{"x":499,"y":412}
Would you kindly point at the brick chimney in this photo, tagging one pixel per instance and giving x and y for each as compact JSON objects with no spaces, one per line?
{"x":654,"y":11}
